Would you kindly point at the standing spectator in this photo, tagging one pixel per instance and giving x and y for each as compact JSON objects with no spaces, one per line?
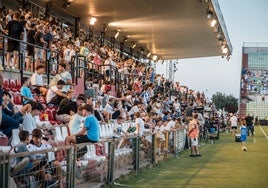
{"x":249,"y":123}
{"x":39,"y":41}
{"x":14,"y":30}
{"x":23,"y":45}
{"x":30,"y":47}
{"x":91,"y":130}
{"x":193,"y":132}
{"x":25,"y":91}
{"x":189,"y":113}
{"x":48,"y":37}
{"x":166,"y":107}
{"x":234,"y":123}
{"x":9,"y":16}
{"x":139,"y":124}
{"x":1,"y":92}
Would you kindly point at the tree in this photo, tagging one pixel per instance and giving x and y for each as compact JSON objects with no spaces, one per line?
{"x":229,"y":103}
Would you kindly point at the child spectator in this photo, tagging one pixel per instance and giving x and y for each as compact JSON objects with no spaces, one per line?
{"x":243,"y":138}
{"x":22,"y":164}
{"x":25,"y":91}
{"x":37,"y":145}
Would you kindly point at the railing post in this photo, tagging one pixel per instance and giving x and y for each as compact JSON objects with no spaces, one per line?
{"x":136,"y":153}
{"x":175,"y":140}
{"x":4,"y":170}
{"x":71,"y":167}
{"x":110,"y":174}
{"x":154,"y":139}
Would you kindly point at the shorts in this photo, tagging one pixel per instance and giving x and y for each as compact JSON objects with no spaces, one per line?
{"x":194,"y":141}
{"x":13,"y":46}
{"x":234,"y":127}
{"x":83,"y":139}
{"x":30,"y":50}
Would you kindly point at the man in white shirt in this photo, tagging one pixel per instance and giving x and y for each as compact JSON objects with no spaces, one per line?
{"x":75,"y":125}
{"x":37,"y":77}
{"x":139,"y":124}
{"x":55,"y":94}
{"x":37,"y":82}
{"x":234,"y":123}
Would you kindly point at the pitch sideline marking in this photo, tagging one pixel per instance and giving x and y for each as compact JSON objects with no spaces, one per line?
{"x":264,"y":132}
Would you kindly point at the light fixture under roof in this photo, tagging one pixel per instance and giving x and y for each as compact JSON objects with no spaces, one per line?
{"x":224,"y":49}
{"x":133,"y":45}
{"x":92,"y":21}
{"x":209,"y":14}
{"x":154,"y":57}
{"x":116,"y":34}
{"x":213,"y":23}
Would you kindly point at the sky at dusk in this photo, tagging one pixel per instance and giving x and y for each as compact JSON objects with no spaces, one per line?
{"x":246,"y":21}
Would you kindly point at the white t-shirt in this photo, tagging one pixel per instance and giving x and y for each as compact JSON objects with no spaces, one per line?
{"x":233,"y":121}
{"x":75,"y":124}
{"x":170,"y":124}
{"x":133,"y":110}
{"x":140,"y":122}
{"x":37,"y":79}
{"x":32,"y":147}
{"x":51,"y":93}
{"x":29,"y":123}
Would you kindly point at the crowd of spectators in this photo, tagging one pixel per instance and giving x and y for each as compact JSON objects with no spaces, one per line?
{"x":143,"y":97}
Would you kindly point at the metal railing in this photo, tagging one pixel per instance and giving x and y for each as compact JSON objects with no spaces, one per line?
{"x":87,"y":164}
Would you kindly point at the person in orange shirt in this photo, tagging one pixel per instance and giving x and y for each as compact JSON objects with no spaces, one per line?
{"x":193,"y":133}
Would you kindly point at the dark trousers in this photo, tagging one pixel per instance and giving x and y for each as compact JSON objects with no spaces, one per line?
{"x":251,"y":129}
{"x":8,"y":124}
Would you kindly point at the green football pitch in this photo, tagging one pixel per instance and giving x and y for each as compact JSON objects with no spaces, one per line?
{"x":223,"y":164}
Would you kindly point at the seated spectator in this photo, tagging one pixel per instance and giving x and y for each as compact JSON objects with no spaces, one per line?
{"x":9,"y":108}
{"x":37,"y":145}
{"x":63,"y":75}
{"x":55,"y":93}
{"x":22,"y":164}
{"x":29,"y":120}
{"x":25,"y":91}
{"x":7,"y":123}
{"x":97,"y":112}
{"x":37,"y":83}
{"x":90,"y":131}
{"x":75,"y":121}
{"x":68,"y":106}
{"x":135,"y":108}
{"x":109,"y":109}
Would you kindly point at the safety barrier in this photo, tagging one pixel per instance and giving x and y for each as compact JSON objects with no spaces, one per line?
{"x":88,"y":164}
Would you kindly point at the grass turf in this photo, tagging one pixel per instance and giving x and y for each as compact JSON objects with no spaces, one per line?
{"x":223,"y":164}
